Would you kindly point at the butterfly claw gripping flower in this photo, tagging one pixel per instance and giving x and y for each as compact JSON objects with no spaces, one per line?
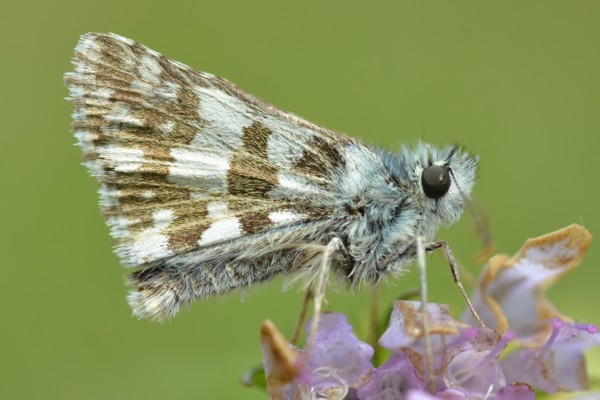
{"x":209,"y":189}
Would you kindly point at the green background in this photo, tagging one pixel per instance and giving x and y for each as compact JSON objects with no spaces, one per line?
{"x":517,"y":82}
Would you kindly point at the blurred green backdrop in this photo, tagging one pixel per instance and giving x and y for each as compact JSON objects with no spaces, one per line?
{"x":516,"y":82}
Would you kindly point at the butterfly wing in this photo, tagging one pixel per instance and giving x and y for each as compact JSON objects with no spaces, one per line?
{"x":186,"y":159}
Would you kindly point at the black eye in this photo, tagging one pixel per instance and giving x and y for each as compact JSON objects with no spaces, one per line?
{"x":435,"y":181}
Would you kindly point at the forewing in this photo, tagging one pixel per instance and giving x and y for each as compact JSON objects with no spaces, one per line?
{"x":186,"y":159}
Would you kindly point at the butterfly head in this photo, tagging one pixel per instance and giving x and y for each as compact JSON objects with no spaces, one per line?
{"x":432,"y":183}
{"x":444,"y":178}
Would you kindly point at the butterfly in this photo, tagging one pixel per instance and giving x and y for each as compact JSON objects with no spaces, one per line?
{"x":207,"y":189}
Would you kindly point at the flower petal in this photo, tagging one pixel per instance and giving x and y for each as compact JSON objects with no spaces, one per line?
{"x":559,"y":365}
{"x":406,"y":328}
{"x":281,"y":362}
{"x":510,"y":293}
{"x":516,"y":391}
{"x":416,"y":394}
{"x":392,"y":380}
{"x":337,"y":357}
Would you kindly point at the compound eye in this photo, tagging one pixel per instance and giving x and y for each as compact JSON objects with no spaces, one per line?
{"x":435,"y":181}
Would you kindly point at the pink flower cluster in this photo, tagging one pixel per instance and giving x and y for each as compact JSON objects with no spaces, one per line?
{"x":526,"y":343}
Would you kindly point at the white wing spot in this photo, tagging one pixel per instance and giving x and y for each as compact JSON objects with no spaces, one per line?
{"x":150,"y":70}
{"x":109,"y":197}
{"x":198,"y":195}
{"x":195,"y":169}
{"x":151,"y":243}
{"x":103,"y":93}
{"x":75,"y":92}
{"x":282,"y":217}
{"x":167,"y":127}
{"x":217,"y":209}
{"x":228,"y":228}
{"x":87,"y":46}
{"x":224,"y":228}
{"x":125,"y":40}
{"x":85,"y":139}
{"x":119,"y":226}
{"x":226,"y":118}
{"x":168,"y":91}
{"x":290,"y":183}
{"x":120,"y":116}
{"x":124,"y":159}
{"x":286,"y":143}
{"x":162,"y":218}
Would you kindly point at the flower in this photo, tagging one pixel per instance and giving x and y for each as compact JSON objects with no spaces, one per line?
{"x":510,"y":291}
{"x":336,"y":361}
{"x":337,"y":357}
{"x":457,"y":360}
{"x":558,"y":365}
{"x":392,"y":380}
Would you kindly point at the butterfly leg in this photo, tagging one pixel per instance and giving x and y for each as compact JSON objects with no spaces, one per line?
{"x":454,"y":268}
{"x":334,"y":249}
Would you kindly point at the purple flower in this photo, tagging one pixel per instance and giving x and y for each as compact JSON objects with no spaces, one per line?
{"x":510,"y":291}
{"x":559,"y":363}
{"x":467,"y":361}
{"x":518,"y":391}
{"x":465,"y":358}
{"x":337,"y":357}
{"x":336,"y":362}
{"x":393,"y":380}
{"x":405,"y":327}
{"x":476,"y":370}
